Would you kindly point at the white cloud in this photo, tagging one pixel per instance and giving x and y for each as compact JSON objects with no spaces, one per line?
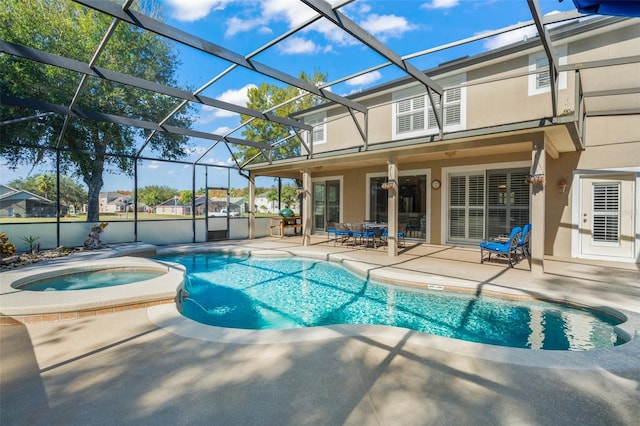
{"x":386,"y":26}
{"x":510,"y":37}
{"x":332,"y":32}
{"x":232,"y":96}
{"x":516,"y":35}
{"x":297,"y":45}
{"x":364,"y":79}
{"x":294,"y":12}
{"x":237,"y":97}
{"x":192,"y":10}
{"x":236,"y":25}
{"x":222,"y":130}
{"x":154,"y":165}
{"x":440,"y":4}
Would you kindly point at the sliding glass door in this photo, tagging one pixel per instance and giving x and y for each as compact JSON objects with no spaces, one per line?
{"x":485,"y":204}
{"x":412,"y":202}
{"x":326,"y":204}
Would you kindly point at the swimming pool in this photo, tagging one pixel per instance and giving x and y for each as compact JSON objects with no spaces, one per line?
{"x":266,"y":293}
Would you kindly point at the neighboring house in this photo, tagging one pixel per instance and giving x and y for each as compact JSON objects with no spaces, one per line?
{"x":264,"y":205}
{"x":216,"y":205}
{"x":236,"y":204}
{"x":509,"y":153}
{"x":173,"y":206}
{"x":20,"y":203}
{"x":114,"y":202}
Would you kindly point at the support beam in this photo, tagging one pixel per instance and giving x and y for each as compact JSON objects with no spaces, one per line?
{"x":142,"y":21}
{"x":392,"y":207}
{"x":370,"y":41}
{"x":117,"y":119}
{"x":306,"y":208}
{"x":140,"y":83}
{"x":551,"y":55}
{"x":252,"y":206}
{"x":538,"y":210}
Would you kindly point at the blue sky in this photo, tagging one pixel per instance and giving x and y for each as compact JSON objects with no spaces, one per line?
{"x":242,"y":26}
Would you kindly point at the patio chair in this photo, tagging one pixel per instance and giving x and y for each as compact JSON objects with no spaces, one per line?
{"x":402,"y":232}
{"x":363,"y":236}
{"x":331,"y":229}
{"x":342,"y":233}
{"x":523,"y":242}
{"x":506,"y":249}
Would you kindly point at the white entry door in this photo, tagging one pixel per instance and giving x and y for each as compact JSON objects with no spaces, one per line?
{"x":607,"y":216}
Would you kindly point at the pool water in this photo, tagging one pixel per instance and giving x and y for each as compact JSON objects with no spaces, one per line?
{"x":91,"y":280}
{"x":266,"y":293}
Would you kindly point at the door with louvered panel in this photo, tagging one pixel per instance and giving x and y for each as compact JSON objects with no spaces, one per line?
{"x":607,"y":216}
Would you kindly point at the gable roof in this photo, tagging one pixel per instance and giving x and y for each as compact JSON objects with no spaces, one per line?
{"x":20,"y":194}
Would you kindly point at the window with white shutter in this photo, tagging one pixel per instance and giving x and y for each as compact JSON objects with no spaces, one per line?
{"x":410,"y":115}
{"x":606,"y":213}
{"x":466,"y":206}
{"x":539,"y":77}
{"x":413,"y":114}
{"x":319,"y":128}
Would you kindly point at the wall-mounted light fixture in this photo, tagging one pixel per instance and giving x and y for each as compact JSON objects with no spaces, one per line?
{"x":562,"y":186}
{"x":535,"y":179}
{"x":388,"y":185}
{"x":300,"y":191}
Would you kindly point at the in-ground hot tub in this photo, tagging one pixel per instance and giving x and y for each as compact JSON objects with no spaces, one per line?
{"x":157,"y":285}
{"x":90,"y":280}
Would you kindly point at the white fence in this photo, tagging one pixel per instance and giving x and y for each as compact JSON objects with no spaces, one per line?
{"x":157,"y":232}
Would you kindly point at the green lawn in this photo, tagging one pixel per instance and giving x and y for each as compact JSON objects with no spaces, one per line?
{"x":107,"y":217}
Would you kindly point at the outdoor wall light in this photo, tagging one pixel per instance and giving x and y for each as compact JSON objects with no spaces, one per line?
{"x":388,"y":185}
{"x":300,"y":191}
{"x":562,"y":186}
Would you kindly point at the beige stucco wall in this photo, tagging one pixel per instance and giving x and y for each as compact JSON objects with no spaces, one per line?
{"x":507,"y":100}
{"x":611,"y":142}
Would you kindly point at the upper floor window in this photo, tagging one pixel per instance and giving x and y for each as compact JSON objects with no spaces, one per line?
{"x":539,"y":77}
{"x":410,"y":114}
{"x":319,"y":128}
{"x":413,"y":113}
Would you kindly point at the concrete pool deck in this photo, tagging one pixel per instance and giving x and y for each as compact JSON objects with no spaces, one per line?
{"x":124,"y":368}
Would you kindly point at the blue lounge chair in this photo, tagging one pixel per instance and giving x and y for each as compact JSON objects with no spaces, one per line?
{"x":331,"y":229}
{"x":523,"y":242}
{"x":506,"y":249}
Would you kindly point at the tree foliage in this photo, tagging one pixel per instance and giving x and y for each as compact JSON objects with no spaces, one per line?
{"x":153,"y":195}
{"x":266,"y":96}
{"x":44,"y":185}
{"x":66,"y":29}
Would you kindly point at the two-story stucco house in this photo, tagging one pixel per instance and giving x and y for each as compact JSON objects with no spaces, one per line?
{"x":509,"y":150}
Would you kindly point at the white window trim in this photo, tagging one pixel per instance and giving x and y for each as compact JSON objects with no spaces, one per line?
{"x":314,"y":121}
{"x":415,"y":172}
{"x":533,"y":76}
{"x":451,"y":82}
{"x":444,"y":196}
{"x":327,"y":178}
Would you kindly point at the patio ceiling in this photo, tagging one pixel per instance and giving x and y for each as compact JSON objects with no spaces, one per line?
{"x":127,"y":14}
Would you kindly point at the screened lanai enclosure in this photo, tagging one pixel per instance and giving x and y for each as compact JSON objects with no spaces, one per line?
{"x":105,"y":102}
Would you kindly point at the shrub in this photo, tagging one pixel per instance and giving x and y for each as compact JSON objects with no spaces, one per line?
{"x":6,"y":248}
